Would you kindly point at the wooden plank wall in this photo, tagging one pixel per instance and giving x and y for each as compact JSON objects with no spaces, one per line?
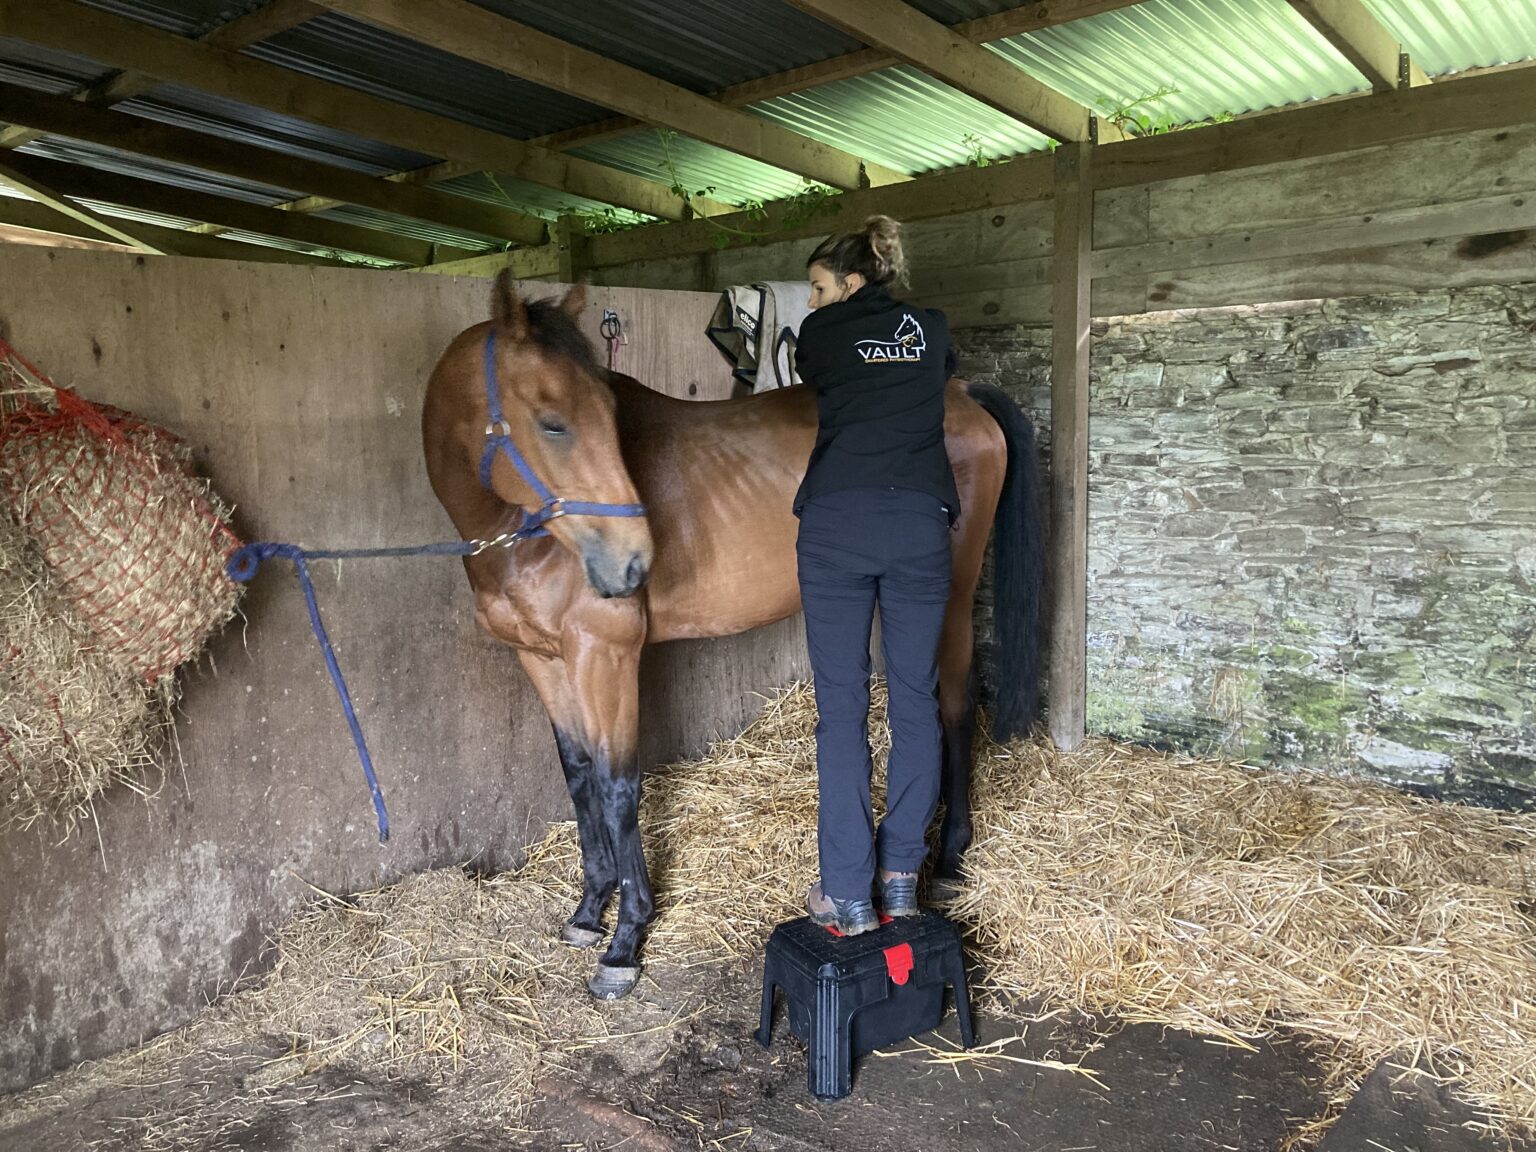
{"x":1446,"y":210}
{"x":300,"y":389}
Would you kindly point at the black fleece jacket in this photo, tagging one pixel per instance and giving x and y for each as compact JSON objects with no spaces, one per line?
{"x":879,"y":368}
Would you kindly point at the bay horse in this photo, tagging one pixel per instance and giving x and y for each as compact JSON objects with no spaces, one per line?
{"x":685,"y":530}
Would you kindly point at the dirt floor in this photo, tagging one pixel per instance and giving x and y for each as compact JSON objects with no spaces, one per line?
{"x":703,"y":1083}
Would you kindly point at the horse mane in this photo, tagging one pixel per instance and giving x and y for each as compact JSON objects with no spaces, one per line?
{"x":553,"y":330}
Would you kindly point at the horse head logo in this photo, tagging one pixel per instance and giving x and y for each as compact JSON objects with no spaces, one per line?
{"x":909,"y":334}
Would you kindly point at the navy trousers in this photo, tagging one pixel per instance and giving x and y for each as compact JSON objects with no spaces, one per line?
{"x":856,"y":548}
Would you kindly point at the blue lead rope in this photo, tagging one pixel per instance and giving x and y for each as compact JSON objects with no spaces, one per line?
{"x":242,"y":567}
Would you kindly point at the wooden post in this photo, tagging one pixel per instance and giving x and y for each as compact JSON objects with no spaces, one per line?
{"x":570,"y":236}
{"x":1067,"y":702}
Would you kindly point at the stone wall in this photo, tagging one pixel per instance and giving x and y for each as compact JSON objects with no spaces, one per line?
{"x":1312,"y":535}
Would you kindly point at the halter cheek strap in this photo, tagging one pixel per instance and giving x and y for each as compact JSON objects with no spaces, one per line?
{"x":498,"y":438}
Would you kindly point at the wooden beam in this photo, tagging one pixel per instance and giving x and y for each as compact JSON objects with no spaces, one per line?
{"x":525,"y":263}
{"x":61,"y":116}
{"x":1494,"y":100}
{"x":268,"y":20}
{"x":52,"y":198}
{"x":80,"y":182}
{"x":12,"y":234}
{"x":461,"y":28}
{"x":943,"y":53}
{"x":41,"y":218}
{"x":1490,"y":101}
{"x":960,"y":190}
{"x":1363,"y":40}
{"x":1071,"y":313}
{"x":1478,"y":217}
{"x":1014,"y":22}
{"x":70,"y":27}
{"x":570,"y":241}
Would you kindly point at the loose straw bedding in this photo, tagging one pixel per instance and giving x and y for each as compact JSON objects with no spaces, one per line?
{"x":1117,"y":881}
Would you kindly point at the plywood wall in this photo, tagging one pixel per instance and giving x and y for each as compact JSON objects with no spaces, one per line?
{"x":300,"y":389}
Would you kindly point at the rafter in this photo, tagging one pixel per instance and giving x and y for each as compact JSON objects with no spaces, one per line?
{"x":41,"y":218}
{"x":268,"y":20}
{"x":60,"y":116}
{"x":70,"y":27}
{"x":462,"y":29}
{"x":1014,"y":22}
{"x":83,"y":183}
{"x":51,"y":198}
{"x":1363,"y":40}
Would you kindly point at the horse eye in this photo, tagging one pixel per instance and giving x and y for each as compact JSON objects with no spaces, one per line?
{"x":550,"y":426}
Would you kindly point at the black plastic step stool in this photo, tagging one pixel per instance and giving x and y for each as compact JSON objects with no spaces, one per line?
{"x":848,"y":995}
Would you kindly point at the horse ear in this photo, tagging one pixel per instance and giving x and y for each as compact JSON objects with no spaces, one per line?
{"x":507,"y":306}
{"x":575,"y":300}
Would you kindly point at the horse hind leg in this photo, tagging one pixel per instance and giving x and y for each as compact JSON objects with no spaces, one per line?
{"x":957,"y":711}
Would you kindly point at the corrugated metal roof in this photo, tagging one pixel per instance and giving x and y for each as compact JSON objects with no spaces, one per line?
{"x":43,"y":68}
{"x":1219,"y":55}
{"x":546,"y":202}
{"x":703,"y":45}
{"x":1454,"y":35}
{"x":144,"y":168}
{"x":378,"y":62}
{"x":184,"y":17}
{"x":187,"y":108}
{"x":903,"y":119}
{"x":735,"y":179}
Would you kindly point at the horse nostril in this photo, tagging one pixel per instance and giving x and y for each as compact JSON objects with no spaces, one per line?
{"x":635,"y":574}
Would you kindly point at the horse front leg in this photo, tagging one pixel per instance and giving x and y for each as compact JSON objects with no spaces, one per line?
{"x":606,"y":676}
{"x":599,"y":873}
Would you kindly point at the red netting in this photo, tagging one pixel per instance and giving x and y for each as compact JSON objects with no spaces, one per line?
{"x":72,"y":722}
{"x":133,"y":540}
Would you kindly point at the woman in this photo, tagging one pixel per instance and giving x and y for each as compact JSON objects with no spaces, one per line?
{"x":875,"y":508}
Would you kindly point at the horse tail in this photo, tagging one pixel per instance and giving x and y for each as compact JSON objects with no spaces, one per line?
{"x":1019,"y":569}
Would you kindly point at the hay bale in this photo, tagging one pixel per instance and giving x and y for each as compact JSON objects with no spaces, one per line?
{"x":72,"y":722}
{"x":136,"y":541}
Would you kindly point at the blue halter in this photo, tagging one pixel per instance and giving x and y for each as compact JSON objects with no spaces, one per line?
{"x":498,"y":438}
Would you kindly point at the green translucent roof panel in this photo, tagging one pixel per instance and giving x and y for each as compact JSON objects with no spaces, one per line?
{"x":903,"y":119}
{"x":735,"y":179}
{"x":1454,"y":35}
{"x":1218,"y":56}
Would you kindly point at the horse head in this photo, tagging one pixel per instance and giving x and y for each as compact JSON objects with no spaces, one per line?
{"x":559,"y":414}
{"x":909,"y":334}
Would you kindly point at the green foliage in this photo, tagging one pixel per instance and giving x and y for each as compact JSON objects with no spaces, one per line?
{"x":1140,"y":117}
{"x":600,"y":221}
{"x":792,"y":212}
{"x":975,"y":154}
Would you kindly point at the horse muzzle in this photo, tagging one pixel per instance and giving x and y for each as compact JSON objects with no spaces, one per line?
{"x":615,"y":576}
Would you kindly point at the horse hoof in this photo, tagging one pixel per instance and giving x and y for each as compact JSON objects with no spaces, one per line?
{"x":943,"y":889}
{"x":580,"y":937}
{"x":612,"y":982}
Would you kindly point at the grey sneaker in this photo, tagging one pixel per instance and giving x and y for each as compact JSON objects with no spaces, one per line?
{"x":850,"y":917}
{"x":898,"y":894}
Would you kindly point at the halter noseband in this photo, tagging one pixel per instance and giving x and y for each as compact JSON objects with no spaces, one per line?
{"x":498,"y":437}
